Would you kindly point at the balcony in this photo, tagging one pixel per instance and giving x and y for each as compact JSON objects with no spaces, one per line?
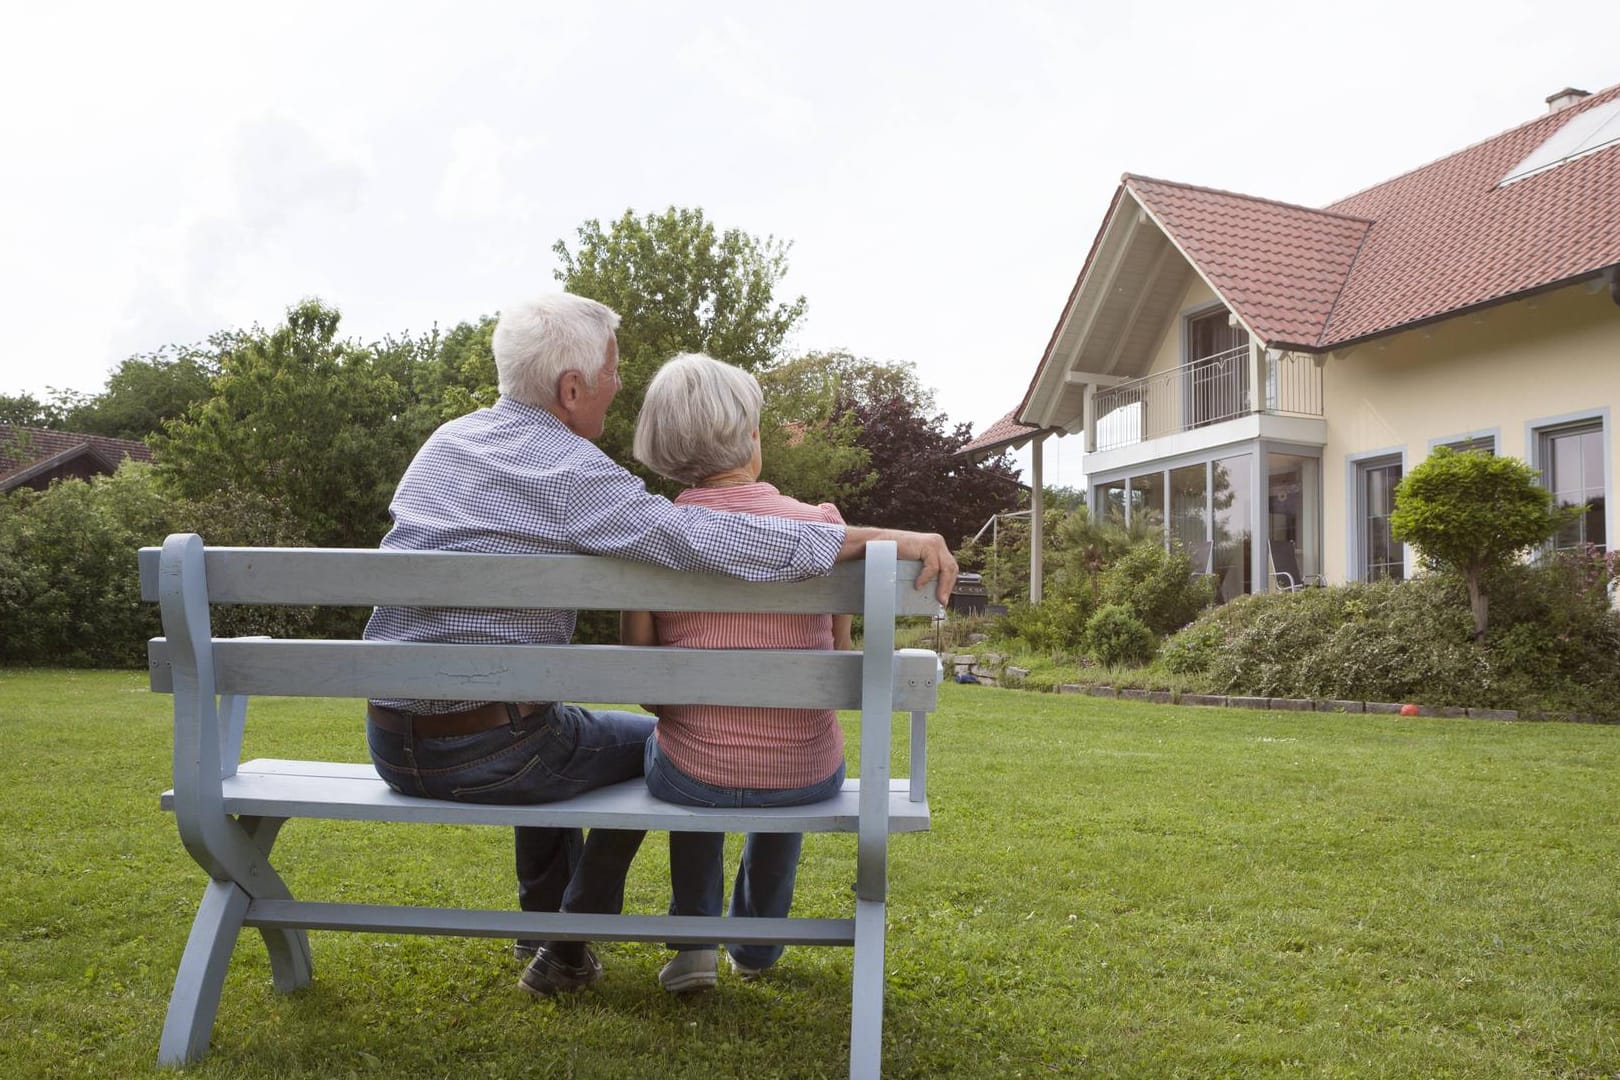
{"x":1207,"y":391}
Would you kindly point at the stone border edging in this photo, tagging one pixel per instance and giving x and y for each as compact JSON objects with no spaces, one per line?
{"x":1279,"y":704}
{"x":992,"y":672}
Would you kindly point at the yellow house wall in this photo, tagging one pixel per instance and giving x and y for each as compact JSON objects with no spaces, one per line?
{"x":1167,"y":356}
{"x":1495,"y":372}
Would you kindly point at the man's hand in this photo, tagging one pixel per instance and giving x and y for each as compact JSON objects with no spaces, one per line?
{"x":939,"y":565}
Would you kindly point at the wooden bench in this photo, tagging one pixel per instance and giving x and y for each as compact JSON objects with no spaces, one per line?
{"x":230,"y":812}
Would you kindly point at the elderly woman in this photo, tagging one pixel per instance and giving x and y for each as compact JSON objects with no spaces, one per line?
{"x":699,"y":425}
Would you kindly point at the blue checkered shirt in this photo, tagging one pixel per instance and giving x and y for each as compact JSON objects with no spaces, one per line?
{"x":514,"y":479}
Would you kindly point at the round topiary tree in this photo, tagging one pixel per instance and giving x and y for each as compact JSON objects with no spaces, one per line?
{"x":1474,"y":513}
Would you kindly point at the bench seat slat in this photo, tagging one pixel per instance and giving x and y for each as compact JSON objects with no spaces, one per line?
{"x":474,"y":922}
{"x":285,"y":789}
{"x":771,"y":678}
{"x":364,"y":577}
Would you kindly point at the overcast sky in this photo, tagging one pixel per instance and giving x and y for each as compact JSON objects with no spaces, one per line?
{"x":940,"y":169}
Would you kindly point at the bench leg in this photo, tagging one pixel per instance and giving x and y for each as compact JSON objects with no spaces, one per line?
{"x":291,"y":965}
{"x":866,"y":1016}
{"x":197,"y":985}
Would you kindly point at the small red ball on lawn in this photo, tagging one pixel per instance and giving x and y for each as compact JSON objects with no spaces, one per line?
{"x":1409,"y":710}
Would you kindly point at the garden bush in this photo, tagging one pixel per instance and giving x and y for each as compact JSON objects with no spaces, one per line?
{"x":69,"y":584}
{"x":1056,"y":625}
{"x":1554,"y":642}
{"x":1157,"y":586}
{"x":1114,"y":635}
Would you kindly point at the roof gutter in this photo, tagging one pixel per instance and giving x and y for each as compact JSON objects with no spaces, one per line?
{"x":1609,"y":275}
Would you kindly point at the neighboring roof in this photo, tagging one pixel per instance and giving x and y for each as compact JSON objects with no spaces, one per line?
{"x":26,"y":453}
{"x":1005,"y":434}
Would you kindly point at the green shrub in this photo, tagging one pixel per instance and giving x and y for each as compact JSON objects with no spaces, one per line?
{"x":1157,"y":586}
{"x":1056,"y":625}
{"x":1193,"y":650}
{"x":69,"y":585}
{"x":1554,"y":642}
{"x":1114,"y":635}
{"x":68,"y":555}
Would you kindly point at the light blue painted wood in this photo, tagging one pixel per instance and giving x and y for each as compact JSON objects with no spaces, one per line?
{"x":229,"y":813}
{"x":195,"y":1000}
{"x":866,"y":1007}
{"x":292,"y":967}
{"x":290,"y":793}
{"x":784,"y":678}
{"x":917,"y":789}
{"x":467,"y":922}
{"x":361,"y":577}
{"x":877,"y":711}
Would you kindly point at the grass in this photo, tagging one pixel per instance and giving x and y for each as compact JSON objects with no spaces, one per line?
{"x":1110,"y":889}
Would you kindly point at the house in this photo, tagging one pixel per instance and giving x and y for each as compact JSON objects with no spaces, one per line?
{"x":33,"y":457}
{"x":1252,"y":378}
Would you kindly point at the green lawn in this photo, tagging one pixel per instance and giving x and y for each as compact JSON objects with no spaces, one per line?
{"x":1110,"y":889}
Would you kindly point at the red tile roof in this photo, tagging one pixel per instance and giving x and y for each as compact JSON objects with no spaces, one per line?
{"x":1004,"y":434}
{"x":1281,"y":267}
{"x":1435,"y":241}
{"x":1446,"y":237}
{"x":27,"y":452}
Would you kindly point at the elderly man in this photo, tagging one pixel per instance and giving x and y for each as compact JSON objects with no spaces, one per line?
{"x":524,"y":476}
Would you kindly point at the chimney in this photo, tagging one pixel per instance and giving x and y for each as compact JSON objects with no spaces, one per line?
{"x":1566,"y":97}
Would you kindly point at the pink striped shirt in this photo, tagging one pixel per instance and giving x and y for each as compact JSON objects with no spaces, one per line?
{"x":731,"y":746}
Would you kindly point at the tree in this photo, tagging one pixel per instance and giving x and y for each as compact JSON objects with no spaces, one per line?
{"x":26,"y":410}
{"x":310,"y":422}
{"x":1474,"y":513}
{"x":145,"y":392}
{"x":680,"y":286}
{"x":809,"y":441}
{"x":914,"y":478}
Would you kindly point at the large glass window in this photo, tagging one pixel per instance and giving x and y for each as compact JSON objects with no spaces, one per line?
{"x":1381,"y":555}
{"x":1189,"y":505}
{"x":1111,"y":505}
{"x":1574,"y":471}
{"x":1216,"y":511}
{"x":1232,"y":495}
{"x":1147,"y":501}
{"x":1293,"y":494}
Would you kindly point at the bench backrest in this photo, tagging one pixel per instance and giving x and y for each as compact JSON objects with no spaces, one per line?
{"x":211,"y":677}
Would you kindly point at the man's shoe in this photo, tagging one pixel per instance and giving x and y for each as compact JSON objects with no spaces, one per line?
{"x":524,"y":950}
{"x":692,"y":969}
{"x":549,"y":975}
{"x":743,"y":971}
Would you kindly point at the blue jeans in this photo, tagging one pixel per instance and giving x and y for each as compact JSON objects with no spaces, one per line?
{"x":770,"y":861}
{"x":552,"y":754}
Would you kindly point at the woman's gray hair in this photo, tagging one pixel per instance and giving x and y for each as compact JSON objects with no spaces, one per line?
{"x":698,"y":419}
{"x":537,"y":340}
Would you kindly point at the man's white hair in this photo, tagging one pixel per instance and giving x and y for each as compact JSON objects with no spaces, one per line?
{"x":537,"y":340}
{"x":698,"y":419}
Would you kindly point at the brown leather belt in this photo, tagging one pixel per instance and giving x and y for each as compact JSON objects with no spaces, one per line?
{"x":489,"y":715}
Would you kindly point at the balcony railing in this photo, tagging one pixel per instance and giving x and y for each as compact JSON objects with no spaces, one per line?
{"x":1209,"y":390}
